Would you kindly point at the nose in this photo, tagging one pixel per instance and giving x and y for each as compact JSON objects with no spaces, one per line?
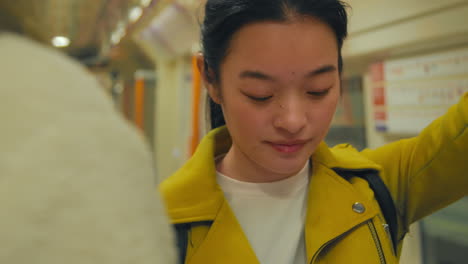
{"x":291,"y":117}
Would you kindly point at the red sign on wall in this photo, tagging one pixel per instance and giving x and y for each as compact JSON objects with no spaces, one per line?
{"x":378,"y":95}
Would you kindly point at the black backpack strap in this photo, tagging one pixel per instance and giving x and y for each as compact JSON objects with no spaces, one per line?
{"x":382,"y":195}
{"x":182,"y":237}
{"x":182,"y":240}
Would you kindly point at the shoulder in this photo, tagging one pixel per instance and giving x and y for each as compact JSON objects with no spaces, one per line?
{"x":343,"y":156}
{"x":30,"y":67}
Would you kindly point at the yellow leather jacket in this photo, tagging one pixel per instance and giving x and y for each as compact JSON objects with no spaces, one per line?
{"x":423,"y":174}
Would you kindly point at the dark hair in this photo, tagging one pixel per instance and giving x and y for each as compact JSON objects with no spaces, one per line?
{"x":223,"y":18}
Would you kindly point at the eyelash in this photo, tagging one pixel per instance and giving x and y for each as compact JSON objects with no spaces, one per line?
{"x":263,"y":99}
{"x":320,"y":93}
{"x":259,"y":99}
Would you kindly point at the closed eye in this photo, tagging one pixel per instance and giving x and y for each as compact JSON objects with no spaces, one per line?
{"x":319,"y":93}
{"x":259,"y":99}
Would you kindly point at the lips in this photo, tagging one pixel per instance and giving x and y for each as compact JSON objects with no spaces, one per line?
{"x":288,"y":146}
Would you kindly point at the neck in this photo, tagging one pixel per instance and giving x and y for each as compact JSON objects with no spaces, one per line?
{"x":238,"y":166}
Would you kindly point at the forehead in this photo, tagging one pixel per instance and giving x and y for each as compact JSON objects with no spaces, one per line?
{"x":296,"y":45}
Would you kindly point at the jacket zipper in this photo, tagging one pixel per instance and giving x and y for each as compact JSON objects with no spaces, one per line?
{"x":375,"y":237}
{"x":387,"y":230}
{"x":331,"y":241}
{"x":377,"y":242}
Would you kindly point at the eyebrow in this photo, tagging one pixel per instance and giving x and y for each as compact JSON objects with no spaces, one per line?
{"x":321,"y":70}
{"x":265,"y":77}
{"x":256,"y":75}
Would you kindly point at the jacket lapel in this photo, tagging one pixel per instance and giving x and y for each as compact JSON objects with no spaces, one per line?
{"x":330,"y":211}
{"x":225,"y":242}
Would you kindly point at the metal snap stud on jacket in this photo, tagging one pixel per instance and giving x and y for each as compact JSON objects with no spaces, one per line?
{"x":359,"y":208}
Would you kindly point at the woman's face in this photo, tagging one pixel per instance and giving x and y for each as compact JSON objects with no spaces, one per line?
{"x":279,"y":87}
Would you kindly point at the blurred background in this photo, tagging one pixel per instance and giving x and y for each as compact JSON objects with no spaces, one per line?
{"x":406,"y":62}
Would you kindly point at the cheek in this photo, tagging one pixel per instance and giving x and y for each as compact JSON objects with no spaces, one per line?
{"x":324,"y":113}
{"x":238,"y":113}
{"x":331,"y":108}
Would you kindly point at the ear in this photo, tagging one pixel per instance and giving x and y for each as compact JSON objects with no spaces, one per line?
{"x":213,"y":91}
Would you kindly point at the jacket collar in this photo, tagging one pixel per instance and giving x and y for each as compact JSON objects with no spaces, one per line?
{"x":192,"y":193}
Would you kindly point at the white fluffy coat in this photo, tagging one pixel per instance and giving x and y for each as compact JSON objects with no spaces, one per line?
{"x":76,"y":181}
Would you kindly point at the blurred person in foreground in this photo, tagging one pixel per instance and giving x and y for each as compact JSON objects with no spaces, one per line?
{"x":76,"y":180}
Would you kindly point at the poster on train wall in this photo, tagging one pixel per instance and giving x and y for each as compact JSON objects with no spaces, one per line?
{"x":410,"y":93}
{"x":378,"y":96}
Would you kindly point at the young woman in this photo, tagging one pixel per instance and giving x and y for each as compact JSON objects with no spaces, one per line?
{"x":264,"y":188}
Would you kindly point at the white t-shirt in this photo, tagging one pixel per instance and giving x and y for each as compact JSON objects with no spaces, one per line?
{"x":272,"y":215}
